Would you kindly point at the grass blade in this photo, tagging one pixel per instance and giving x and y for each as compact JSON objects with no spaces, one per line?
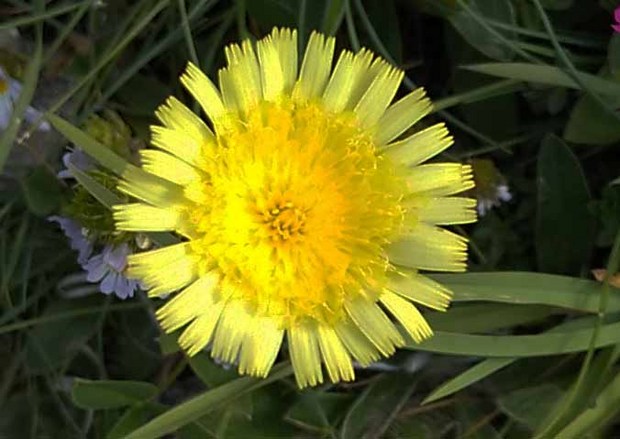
{"x":544,"y":74}
{"x":197,"y":407}
{"x":104,"y":155}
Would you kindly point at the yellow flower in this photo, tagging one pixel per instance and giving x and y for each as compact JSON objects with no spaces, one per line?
{"x":304,"y":210}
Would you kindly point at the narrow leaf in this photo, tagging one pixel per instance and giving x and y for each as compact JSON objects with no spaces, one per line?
{"x":199,"y":406}
{"x":564,"y":224}
{"x":97,"y":395}
{"x":544,"y":74}
{"x":104,"y":155}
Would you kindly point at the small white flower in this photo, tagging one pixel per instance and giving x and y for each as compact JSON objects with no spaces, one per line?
{"x":10,"y":90}
{"x":502,"y":193}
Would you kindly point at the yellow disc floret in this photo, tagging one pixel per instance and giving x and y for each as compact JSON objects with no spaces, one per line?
{"x":296,"y":211}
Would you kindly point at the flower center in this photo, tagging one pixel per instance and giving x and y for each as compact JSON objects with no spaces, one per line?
{"x":284,"y":222}
{"x":296,"y":211}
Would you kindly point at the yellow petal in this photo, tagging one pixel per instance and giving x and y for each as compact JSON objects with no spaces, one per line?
{"x":440,"y":179}
{"x":231,"y":329}
{"x":407,"y":314}
{"x":420,"y":289}
{"x":444,"y":210}
{"x":304,"y":351}
{"x":260,"y":347}
{"x":338,"y":90}
{"x":199,"y":333}
{"x":177,"y":143}
{"x":137,"y":217}
{"x":150,"y":188}
{"x":360,"y":347}
{"x":164,"y":270}
{"x":315,"y":67}
{"x":272,"y":74}
{"x":378,"y":96}
{"x":174,"y":115}
{"x":285,"y":42}
{"x":244,"y":75}
{"x":204,"y":91}
{"x":168,"y":166}
{"x":227,"y":87}
{"x":430,"y":248}
{"x":188,"y":304}
{"x":375,"y":325}
{"x":420,"y":146}
{"x":365,"y":69}
{"x":402,"y":115}
{"x":335,"y":356}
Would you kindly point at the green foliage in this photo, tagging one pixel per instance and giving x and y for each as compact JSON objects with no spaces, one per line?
{"x":563,"y":246}
{"x":97,"y":395}
{"x":530,"y":87}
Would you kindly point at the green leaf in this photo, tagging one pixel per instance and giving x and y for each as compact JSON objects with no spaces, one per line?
{"x":469,"y":377}
{"x":55,"y":343}
{"x":529,"y":406}
{"x":384,"y":19}
{"x":317,"y":411}
{"x":211,"y":374}
{"x":589,"y":124}
{"x":479,"y":37}
{"x":470,"y":421}
{"x":517,"y":345}
{"x":491,"y":365}
{"x":168,"y":343}
{"x":597,"y":416}
{"x":607,"y":212}
{"x":134,"y":347}
{"x":38,"y":16}
{"x":529,"y":288}
{"x":98,"y":395}
{"x":137,"y":415}
{"x":133,"y":417}
{"x":485,"y":317}
{"x":270,"y":13}
{"x":332,"y":16}
{"x":26,"y":415}
{"x":96,"y":189}
{"x":544,"y":74}
{"x":201,"y":405}
{"x":104,"y":155}
{"x":613,"y":56}
{"x":557,"y":5}
{"x":564,"y":224}
{"x":376,"y":408}
{"x":42,"y":192}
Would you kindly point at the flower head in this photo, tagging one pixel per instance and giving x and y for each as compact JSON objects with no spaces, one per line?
{"x":108,"y":269}
{"x":616,"y":26}
{"x":10,"y":90}
{"x":303,"y":208}
{"x":491,"y":187}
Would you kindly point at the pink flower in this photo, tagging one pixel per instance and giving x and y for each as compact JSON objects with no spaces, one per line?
{"x":616,"y":26}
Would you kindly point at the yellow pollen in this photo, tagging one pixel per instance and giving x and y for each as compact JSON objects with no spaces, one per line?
{"x":4,"y":86}
{"x":284,"y":222}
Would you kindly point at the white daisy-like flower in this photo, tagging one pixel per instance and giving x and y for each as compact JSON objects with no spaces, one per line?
{"x":10,"y":90}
